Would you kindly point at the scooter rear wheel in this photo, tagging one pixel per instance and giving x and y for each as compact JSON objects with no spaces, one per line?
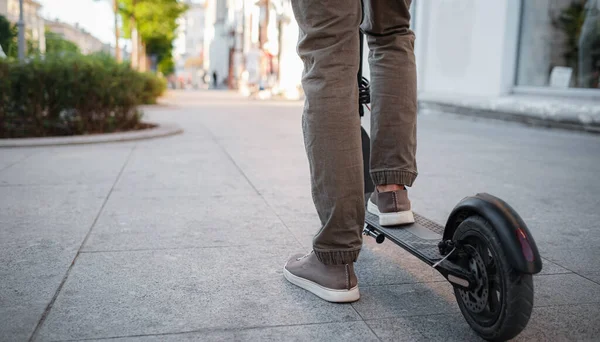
{"x":499,"y":308}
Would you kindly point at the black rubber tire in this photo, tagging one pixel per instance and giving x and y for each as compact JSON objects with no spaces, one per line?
{"x":517,"y":291}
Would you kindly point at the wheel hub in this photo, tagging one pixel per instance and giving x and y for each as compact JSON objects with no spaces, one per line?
{"x":476,"y":300}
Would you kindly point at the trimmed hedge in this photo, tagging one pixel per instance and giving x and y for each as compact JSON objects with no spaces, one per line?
{"x":72,"y":95}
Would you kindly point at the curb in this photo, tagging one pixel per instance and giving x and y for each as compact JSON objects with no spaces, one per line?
{"x":505,"y":115}
{"x":161,"y":130}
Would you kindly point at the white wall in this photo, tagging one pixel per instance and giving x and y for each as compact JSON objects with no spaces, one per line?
{"x":4,"y":7}
{"x":194,"y":30}
{"x":290,"y":65}
{"x":467,"y":46}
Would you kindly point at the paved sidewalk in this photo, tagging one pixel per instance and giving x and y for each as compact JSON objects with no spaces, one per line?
{"x":184,"y":237}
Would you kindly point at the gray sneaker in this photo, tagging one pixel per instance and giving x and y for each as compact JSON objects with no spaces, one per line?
{"x":392,"y":207}
{"x":333,"y":283}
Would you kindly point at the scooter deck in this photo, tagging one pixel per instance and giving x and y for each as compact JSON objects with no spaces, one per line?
{"x":420,"y":238}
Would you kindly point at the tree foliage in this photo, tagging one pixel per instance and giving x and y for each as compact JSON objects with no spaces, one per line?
{"x":156,"y":23}
{"x":8,"y":37}
{"x":55,"y":43}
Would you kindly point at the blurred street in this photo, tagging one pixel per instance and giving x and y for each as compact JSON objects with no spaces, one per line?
{"x":185,"y":237}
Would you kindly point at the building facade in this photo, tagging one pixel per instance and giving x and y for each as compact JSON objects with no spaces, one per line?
{"x":218,"y":39}
{"x":194,"y":30}
{"x":463,"y":47}
{"x":499,"y":48}
{"x":34,"y":23}
{"x":84,"y":40}
{"x":190,"y":53}
{"x":249,"y":43}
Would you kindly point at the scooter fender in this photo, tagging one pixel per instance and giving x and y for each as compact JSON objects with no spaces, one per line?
{"x":518,"y":243}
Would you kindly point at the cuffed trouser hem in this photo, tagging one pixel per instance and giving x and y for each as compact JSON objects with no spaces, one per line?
{"x":339,"y":257}
{"x":386,"y":177}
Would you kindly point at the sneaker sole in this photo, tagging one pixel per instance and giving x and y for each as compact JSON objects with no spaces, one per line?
{"x":330,"y":295}
{"x":391,"y":219}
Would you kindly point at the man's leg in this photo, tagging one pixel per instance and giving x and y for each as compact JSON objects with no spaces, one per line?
{"x":394,"y":108}
{"x":329,"y":46}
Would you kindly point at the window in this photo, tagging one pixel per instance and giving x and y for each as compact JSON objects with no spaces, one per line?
{"x":560,"y":44}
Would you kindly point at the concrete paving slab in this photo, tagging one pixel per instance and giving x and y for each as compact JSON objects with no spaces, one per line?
{"x":18,"y":322}
{"x":303,"y":227}
{"x":69,"y":164}
{"x":270,"y":168}
{"x":19,"y":202}
{"x":291,"y":203}
{"x":168,"y":291}
{"x":563,"y":323}
{"x":594,"y":276}
{"x":444,"y":327}
{"x":388,"y":264}
{"x":552,"y":323}
{"x":41,"y":229}
{"x":405,"y":300}
{"x":548,"y":267}
{"x":10,"y":156}
{"x":31,"y":274}
{"x":579,"y":260}
{"x":310,"y":332}
{"x":564,"y":289}
{"x":168,"y":220}
{"x":201,"y":169}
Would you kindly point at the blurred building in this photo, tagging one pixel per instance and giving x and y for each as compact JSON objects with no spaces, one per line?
{"x":34,"y":23}
{"x":219,"y":20}
{"x":86,"y":42}
{"x":496,"y":48}
{"x":249,"y":43}
{"x":464,"y":48}
{"x":189,"y":58}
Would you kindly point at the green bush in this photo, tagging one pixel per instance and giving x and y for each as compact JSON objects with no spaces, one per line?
{"x":72,"y":94}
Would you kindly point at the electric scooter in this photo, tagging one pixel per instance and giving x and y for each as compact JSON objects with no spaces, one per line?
{"x":484,"y":250}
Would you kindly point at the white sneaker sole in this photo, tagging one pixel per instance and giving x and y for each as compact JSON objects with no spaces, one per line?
{"x":391,"y":219}
{"x":330,"y":295}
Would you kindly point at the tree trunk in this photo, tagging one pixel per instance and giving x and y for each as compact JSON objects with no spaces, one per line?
{"x":135,"y":53}
{"x":143,"y":58}
{"x":117,"y":49}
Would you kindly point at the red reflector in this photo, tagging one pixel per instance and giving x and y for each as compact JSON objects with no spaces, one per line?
{"x":525,"y":247}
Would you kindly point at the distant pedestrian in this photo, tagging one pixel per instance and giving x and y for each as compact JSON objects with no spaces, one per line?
{"x":214,"y":79}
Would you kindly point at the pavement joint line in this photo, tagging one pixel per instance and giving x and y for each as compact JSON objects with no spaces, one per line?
{"x":445,"y":281}
{"x":572,"y":272}
{"x":18,"y":161}
{"x":252,"y":185}
{"x":418,"y":315}
{"x":64,"y":280}
{"x":557,"y":273}
{"x":174,"y":248}
{"x":460,"y":315}
{"x":208,"y":330}
{"x":571,"y":304}
{"x":405,"y":283}
{"x":363,"y":319}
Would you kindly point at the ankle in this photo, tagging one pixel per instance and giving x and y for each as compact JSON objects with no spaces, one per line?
{"x":390,"y":187}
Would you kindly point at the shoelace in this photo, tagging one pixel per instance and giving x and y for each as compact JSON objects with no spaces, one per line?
{"x":304,"y":256}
